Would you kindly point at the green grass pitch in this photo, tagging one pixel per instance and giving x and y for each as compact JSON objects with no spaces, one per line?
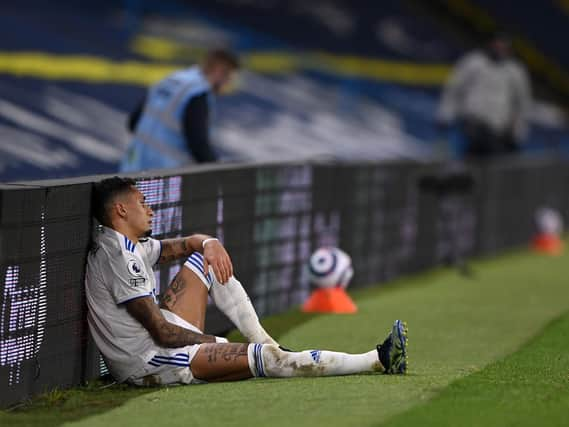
{"x":491,"y":351}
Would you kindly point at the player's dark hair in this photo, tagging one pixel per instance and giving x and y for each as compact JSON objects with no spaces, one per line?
{"x":104,"y":193}
{"x":223,"y":56}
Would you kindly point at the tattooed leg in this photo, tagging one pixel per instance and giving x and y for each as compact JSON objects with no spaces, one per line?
{"x":231,"y":362}
{"x":187,"y":297}
{"x":221,"y":362}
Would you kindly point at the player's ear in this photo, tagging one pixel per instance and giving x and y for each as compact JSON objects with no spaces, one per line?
{"x":120,"y":209}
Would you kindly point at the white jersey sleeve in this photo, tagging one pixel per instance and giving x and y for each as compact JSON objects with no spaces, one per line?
{"x":152,"y":249}
{"x":127,"y":277}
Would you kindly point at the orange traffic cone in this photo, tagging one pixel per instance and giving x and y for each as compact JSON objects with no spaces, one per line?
{"x":549,"y":244}
{"x":329,"y":300}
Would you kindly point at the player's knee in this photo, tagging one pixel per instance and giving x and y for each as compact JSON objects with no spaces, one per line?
{"x":232,"y":283}
{"x":194,"y":270}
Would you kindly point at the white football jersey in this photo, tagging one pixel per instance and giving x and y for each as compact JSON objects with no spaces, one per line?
{"x":119,"y":271}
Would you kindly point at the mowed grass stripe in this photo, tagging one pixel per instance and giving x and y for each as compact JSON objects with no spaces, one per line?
{"x":528,"y":388}
{"x":457,"y":327}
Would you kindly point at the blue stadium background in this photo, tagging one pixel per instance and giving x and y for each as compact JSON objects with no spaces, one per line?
{"x":324,"y":79}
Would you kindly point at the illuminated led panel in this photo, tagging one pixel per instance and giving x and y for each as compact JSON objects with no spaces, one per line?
{"x":23,"y":315}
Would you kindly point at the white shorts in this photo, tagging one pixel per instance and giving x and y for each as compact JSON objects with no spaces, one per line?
{"x":169,"y":365}
{"x":172,"y":365}
{"x":195,"y":263}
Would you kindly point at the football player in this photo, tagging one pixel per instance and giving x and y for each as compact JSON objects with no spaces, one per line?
{"x":147,"y":342}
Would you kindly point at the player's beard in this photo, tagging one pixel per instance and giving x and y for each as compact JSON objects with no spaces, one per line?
{"x":147,"y":233}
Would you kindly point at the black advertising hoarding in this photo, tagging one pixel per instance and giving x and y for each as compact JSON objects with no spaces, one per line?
{"x":392,"y":218}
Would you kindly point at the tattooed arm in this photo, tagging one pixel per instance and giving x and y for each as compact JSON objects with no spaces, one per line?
{"x":173,"y":249}
{"x":214,"y":254}
{"x":164,"y":333}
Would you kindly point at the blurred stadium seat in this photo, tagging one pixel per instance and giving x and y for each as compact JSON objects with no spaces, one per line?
{"x":71,"y":75}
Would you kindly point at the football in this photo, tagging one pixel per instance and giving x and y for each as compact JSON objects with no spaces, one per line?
{"x":549,"y":221}
{"x":330,"y":267}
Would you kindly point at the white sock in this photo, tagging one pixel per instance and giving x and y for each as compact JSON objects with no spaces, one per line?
{"x":271,"y":361}
{"x":234,"y":302}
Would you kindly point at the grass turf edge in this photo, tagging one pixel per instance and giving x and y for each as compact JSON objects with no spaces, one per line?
{"x":527,"y":388}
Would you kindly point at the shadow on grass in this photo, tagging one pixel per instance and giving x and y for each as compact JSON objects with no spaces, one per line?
{"x":57,"y":407}
{"x":278,"y":325}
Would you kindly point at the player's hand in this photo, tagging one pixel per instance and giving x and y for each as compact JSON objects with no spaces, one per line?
{"x":214,"y":254}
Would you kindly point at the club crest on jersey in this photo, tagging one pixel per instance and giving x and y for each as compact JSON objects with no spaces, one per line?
{"x":134,"y":268}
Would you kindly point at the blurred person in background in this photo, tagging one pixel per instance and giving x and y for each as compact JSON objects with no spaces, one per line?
{"x":488,"y":94}
{"x":171,"y":126}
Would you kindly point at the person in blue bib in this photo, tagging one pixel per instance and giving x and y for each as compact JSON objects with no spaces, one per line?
{"x":172,"y":125}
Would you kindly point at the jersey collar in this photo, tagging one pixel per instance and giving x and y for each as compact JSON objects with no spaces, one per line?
{"x":124,"y":242}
